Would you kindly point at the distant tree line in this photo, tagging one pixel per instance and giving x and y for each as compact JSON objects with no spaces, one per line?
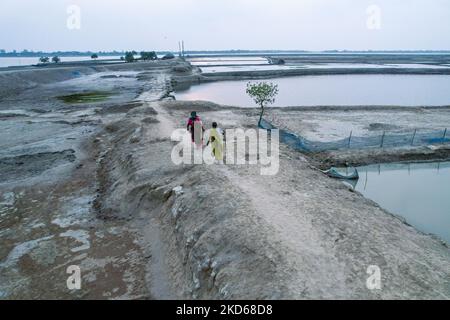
{"x":55,"y":59}
{"x":31,"y":53}
{"x":27,"y":53}
{"x":148,"y":55}
{"x":144,"y":55}
{"x":128,"y":57}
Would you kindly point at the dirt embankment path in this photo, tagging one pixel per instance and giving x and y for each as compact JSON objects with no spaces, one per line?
{"x":225,"y":231}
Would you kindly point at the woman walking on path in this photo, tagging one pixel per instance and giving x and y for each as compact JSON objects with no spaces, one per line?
{"x":195,"y":127}
{"x":216,"y":140}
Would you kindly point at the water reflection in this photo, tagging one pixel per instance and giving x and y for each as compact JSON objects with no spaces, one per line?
{"x":420,"y":192}
{"x":400,"y":90}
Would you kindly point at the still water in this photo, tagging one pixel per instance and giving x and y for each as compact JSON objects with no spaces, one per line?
{"x":223,"y":61}
{"x":420,"y":192}
{"x":259,"y":67}
{"x":221,"y":68}
{"x":28,"y":61}
{"x":398,"y":90}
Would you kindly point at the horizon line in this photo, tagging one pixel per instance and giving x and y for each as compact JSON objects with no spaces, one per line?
{"x":26,"y":51}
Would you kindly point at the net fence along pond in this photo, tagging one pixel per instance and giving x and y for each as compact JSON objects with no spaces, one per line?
{"x":386,"y":139}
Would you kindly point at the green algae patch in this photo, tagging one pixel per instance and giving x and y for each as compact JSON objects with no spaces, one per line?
{"x":86,"y":97}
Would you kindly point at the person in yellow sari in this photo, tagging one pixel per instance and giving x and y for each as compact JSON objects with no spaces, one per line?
{"x":216,"y":140}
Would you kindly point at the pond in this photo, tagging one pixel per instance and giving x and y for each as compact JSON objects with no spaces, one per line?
{"x":223,"y":61}
{"x":86,"y":97}
{"x":258,"y":67}
{"x":419,"y":192}
{"x":28,"y":61}
{"x":235,"y":68}
{"x":398,"y":90}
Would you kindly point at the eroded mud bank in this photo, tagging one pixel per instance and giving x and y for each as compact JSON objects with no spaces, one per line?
{"x":48,"y":185}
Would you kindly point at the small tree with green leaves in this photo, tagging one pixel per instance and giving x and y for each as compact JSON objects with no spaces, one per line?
{"x":129,"y":56}
{"x":263,"y":93}
{"x":44,"y":59}
{"x":148,"y":55}
{"x":56,"y":59}
{"x":94,"y":56}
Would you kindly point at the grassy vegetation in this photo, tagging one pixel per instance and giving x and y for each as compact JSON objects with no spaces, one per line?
{"x":86,"y":97}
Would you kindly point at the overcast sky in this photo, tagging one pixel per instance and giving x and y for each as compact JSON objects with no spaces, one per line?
{"x":226,"y":24}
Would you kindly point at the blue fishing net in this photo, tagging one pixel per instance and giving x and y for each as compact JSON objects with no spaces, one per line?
{"x":384,"y":140}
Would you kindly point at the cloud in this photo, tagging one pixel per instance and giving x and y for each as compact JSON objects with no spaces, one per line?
{"x":224,"y":24}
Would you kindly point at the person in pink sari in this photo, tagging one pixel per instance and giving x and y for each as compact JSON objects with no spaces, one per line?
{"x":195,"y":127}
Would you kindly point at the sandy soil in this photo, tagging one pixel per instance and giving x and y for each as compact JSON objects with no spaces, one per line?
{"x":329,"y":124}
{"x":335,"y":123}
